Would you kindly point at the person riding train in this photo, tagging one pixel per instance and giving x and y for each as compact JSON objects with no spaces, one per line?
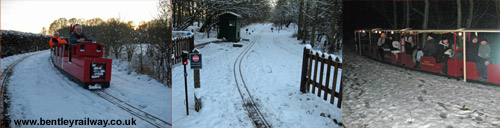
{"x":77,"y":35}
{"x":444,"y":53}
{"x":384,"y":44}
{"x":56,"y":40}
{"x":479,"y":54}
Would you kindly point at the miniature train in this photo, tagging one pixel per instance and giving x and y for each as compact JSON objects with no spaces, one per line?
{"x":457,"y":65}
{"x":83,"y":63}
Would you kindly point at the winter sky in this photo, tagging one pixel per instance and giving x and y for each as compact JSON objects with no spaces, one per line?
{"x":33,"y":15}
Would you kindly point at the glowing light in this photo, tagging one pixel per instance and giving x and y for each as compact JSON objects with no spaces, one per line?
{"x":459,"y":34}
{"x":392,"y":32}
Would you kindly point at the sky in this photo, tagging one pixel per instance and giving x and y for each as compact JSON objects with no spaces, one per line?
{"x":33,"y":15}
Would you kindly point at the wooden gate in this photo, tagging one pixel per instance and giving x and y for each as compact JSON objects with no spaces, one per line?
{"x":311,"y":79}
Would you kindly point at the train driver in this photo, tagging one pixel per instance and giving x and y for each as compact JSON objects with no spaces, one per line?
{"x":77,"y":35}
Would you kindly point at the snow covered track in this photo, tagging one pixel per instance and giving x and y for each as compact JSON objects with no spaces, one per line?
{"x":153,"y":120}
{"x":248,"y":102}
{"x":5,"y":82}
{"x":284,"y":47}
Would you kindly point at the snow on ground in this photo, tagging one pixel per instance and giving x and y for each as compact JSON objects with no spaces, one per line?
{"x":382,"y":95}
{"x":39,"y":90}
{"x":11,"y":59}
{"x":271,"y":70}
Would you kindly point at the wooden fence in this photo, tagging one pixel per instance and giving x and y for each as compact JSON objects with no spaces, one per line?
{"x":182,"y":44}
{"x":178,"y":45}
{"x":310,"y":76}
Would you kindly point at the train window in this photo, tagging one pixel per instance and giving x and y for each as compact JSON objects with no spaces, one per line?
{"x":98,"y":49}
{"x":82,"y":48}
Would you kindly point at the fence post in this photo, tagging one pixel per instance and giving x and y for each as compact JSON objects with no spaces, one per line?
{"x":340,"y":95}
{"x":335,"y":75}
{"x":304,"y":71}
{"x":196,"y":75}
{"x":315,"y":84}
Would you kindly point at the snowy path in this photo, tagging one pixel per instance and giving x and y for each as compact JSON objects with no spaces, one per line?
{"x":381,"y":95}
{"x":271,"y":71}
{"x":39,"y":90}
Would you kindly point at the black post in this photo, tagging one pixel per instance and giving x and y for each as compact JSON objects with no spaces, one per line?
{"x":184,"y":58}
{"x":186,"y":89}
{"x":304,"y":71}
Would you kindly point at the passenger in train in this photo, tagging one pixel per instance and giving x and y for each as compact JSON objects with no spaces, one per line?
{"x":444,"y":53}
{"x":472,"y":55}
{"x":472,"y":49}
{"x":382,"y":43}
{"x":54,"y":40}
{"x":77,"y":35}
{"x":430,"y":47}
{"x":409,"y":44}
{"x":484,"y":53}
{"x":484,"y":50}
{"x":396,"y":45}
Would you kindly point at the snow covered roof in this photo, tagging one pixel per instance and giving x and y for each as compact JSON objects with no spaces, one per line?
{"x":232,"y":13}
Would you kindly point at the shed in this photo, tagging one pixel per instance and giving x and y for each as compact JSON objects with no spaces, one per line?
{"x":229,"y":26}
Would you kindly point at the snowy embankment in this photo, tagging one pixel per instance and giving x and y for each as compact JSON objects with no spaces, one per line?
{"x":38,"y":90}
{"x":382,"y":95}
{"x":271,"y":70}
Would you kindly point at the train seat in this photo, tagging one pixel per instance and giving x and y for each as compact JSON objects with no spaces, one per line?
{"x":494,"y":73}
{"x":428,"y":63}
{"x":472,"y":72}
{"x":408,"y":60}
{"x":455,"y":67}
{"x":395,"y":56}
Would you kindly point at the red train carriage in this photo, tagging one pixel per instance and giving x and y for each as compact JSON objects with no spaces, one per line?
{"x":457,"y":66}
{"x":84,"y":64}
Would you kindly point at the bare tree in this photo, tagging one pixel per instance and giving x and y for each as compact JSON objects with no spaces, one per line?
{"x":426,"y":20}
{"x":301,"y":20}
{"x":314,"y":23}
{"x":471,"y":13}
{"x":394,"y":15}
{"x":459,"y":14}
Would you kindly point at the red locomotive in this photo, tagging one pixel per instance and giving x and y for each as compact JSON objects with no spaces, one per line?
{"x":83,"y":63}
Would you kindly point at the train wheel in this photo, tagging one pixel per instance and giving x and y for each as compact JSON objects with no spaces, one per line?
{"x":85,"y":86}
{"x":106,"y":85}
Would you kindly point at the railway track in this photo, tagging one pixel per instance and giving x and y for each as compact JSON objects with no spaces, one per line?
{"x":5,"y":83}
{"x":149,"y":118}
{"x":248,"y":102}
{"x":287,"y":49}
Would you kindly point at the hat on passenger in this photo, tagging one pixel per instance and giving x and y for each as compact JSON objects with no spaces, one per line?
{"x":75,"y":26}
